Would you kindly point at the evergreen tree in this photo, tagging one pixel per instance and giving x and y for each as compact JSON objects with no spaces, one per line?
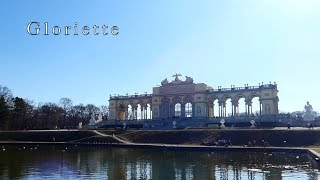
{"x":4,"y":113}
{"x":19,"y":114}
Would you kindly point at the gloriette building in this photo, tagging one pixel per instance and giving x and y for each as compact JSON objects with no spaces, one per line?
{"x":182,"y":99}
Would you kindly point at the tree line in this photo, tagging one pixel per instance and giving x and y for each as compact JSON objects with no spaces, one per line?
{"x":17,"y":113}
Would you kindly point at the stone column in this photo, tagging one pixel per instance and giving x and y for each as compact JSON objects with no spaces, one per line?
{"x":235,"y":108}
{"x":133,"y":111}
{"x":183,"y":110}
{"x":135,"y":114}
{"x":171,"y":110}
{"x":141,"y":115}
{"x":246,"y":109}
{"x":260,"y":107}
{"x":210,"y":109}
{"x":151,"y":112}
{"x":126,"y":116}
{"x":232,"y":110}
{"x":193,"y":110}
{"x":221,"y":108}
{"x":249,"y":108}
{"x":213,"y":109}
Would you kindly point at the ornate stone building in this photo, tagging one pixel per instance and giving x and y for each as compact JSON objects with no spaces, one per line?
{"x":181,"y":99}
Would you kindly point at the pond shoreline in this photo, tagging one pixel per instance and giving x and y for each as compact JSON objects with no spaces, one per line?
{"x":313,"y":155}
{"x":102,"y":139}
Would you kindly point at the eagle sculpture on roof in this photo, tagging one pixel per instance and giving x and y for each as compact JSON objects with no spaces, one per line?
{"x":176,"y":76}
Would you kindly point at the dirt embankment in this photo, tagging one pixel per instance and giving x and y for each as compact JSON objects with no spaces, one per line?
{"x":285,"y":138}
{"x":72,"y":136}
{"x":297,"y":138}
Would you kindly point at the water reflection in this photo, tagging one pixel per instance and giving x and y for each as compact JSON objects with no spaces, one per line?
{"x":57,"y":162}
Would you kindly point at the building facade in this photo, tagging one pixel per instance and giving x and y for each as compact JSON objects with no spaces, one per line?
{"x":181,"y":99}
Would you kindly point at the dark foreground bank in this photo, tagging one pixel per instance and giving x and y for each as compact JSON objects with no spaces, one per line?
{"x":181,"y":140}
{"x":55,"y":136}
{"x":238,"y":137}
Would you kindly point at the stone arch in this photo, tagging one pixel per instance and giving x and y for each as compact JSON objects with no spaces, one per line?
{"x":188,"y":99}
{"x":165,"y":108}
{"x":176,"y":107}
{"x":213,"y":105}
{"x":131,"y":102}
{"x":121,"y":103}
{"x":148,"y":111}
{"x":211,"y":98}
{"x":188,"y":110}
{"x":141,"y":107}
{"x":177,"y":110}
{"x":121,"y":111}
{"x":165,"y":100}
{"x":249,"y":104}
{"x":225,"y":105}
{"x":228,"y":105}
{"x":148,"y":101}
{"x":176,"y":100}
{"x":253,"y":95}
{"x":141,"y":102}
{"x":239,"y":104}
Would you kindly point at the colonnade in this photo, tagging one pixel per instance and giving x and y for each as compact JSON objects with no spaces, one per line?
{"x":138,"y":112}
{"x":222,"y":108}
{"x":177,"y":110}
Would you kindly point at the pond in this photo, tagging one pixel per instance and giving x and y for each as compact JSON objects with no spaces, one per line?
{"x":75,"y":162}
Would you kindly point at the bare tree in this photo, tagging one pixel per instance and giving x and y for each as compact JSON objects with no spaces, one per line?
{"x":66,"y":104}
{"x":92,"y":109}
{"x":105,"y":112}
{"x":7,"y":95}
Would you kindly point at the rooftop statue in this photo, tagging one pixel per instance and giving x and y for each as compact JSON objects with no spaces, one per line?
{"x":177,"y":80}
{"x":189,"y":79}
{"x":176,"y":76}
{"x":308,"y":115}
{"x":99,"y":118}
{"x":308,"y":107}
{"x":164,"y":82}
{"x":92,"y":120}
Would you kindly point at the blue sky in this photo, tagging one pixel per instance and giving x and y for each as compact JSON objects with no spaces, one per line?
{"x":220,"y":43}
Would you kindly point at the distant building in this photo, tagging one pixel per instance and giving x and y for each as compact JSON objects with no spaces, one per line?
{"x":186,"y":99}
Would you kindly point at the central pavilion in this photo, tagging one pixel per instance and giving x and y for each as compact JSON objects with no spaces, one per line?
{"x":180,"y":99}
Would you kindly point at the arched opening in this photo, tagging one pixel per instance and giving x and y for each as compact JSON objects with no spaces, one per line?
{"x":139,"y":114}
{"x":228,"y":108}
{"x":188,"y":110}
{"x":149,"y":112}
{"x":255,"y":106}
{"x":242,"y":107}
{"x":177,"y":110}
{"x":130,"y":112}
{"x":164,"y":108}
{"x":121,"y":112}
{"x":216,"y":108}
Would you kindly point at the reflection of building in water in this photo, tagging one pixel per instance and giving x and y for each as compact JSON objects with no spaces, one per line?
{"x":120,"y":163}
{"x":185,"y":99}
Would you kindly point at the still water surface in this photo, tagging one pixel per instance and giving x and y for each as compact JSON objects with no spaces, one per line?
{"x":59,"y":162}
